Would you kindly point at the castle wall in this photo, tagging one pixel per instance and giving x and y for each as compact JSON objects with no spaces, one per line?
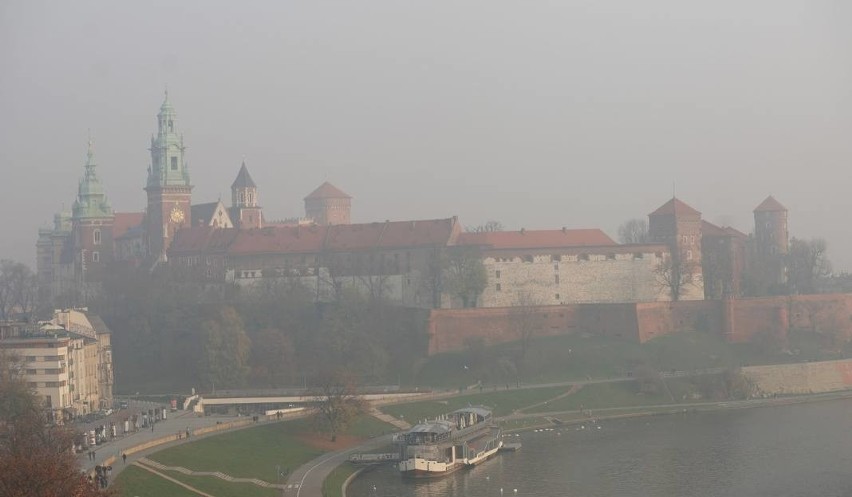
{"x":740,"y":320}
{"x":600,"y":275}
{"x":809,"y":377}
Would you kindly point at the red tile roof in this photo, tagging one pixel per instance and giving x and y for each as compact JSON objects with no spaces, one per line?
{"x":314,"y":238}
{"x":770,"y":205}
{"x":676,"y":207}
{"x":530,"y":239}
{"x":123,"y":221}
{"x":710,"y":229}
{"x":202,"y":239}
{"x":327,"y":190}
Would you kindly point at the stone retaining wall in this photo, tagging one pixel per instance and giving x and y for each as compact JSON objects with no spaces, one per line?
{"x":810,"y":377}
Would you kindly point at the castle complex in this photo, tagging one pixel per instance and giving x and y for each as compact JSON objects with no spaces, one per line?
{"x":686,"y":258}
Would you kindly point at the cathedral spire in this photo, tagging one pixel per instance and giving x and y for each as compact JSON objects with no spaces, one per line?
{"x":91,"y":200}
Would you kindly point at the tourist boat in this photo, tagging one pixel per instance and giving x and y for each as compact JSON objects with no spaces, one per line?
{"x":462,"y":438}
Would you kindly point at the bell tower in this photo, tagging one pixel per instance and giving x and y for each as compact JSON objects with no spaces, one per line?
{"x":245,"y":213}
{"x":168,"y":187}
{"x":91,"y":223}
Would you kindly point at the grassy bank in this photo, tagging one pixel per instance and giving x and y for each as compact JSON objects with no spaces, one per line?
{"x":333,"y":484}
{"x":258,"y":452}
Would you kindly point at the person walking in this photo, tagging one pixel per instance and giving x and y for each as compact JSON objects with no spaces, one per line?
{"x":124,"y":458}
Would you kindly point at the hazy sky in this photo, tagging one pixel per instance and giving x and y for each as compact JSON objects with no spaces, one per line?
{"x":540,"y":114}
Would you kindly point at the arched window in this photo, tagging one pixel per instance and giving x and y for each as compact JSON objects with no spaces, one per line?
{"x":97,"y":237}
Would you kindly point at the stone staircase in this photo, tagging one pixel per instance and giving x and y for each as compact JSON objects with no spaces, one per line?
{"x":216,"y":474}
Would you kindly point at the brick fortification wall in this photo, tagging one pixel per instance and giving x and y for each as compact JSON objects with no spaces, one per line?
{"x":740,"y":320}
{"x":810,"y":377}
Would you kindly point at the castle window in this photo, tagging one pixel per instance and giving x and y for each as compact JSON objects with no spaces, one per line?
{"x":584,"y":257}
{"x":97,"y":237}
{"x":556,"y":257}
{"x":556,"y":296}
{"x":498,"y":287}
{"x":610,"y":257}
{"x":174,"y":163}
{"x":528,"y":258}
{"x":638,"y":255}
{"x":497,"y":274}
{"x":689,"y":255}
{"x":556,"y":278}
{"x":96,"y":256}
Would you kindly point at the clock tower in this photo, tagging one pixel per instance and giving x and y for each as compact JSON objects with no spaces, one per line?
{"x":168,"y":187}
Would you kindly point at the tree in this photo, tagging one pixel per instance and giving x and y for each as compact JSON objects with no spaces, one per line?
{"x":675,"y":273}
{"x":488,"y":227}
{"x":273,"y":358}
{"x":337,"y":402}
{"x":808,"y":265}
{"x":35,"y":460}
{"x":465,"y":276}
{"x":527,"y":321}
{"x":633,"y":231}
{"x":18,"y":289}
{"x":225,"y":350}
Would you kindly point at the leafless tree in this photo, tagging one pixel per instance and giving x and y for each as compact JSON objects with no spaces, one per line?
{"x":337,"y":403}
{"x":489,"y":226}
{"x":633,"y":231}
{"x":464,"y":276}
{"x":808,"y":265}
{"x":18,"y":289}
{"x":675,"y":273}
{"x":527,"y":321}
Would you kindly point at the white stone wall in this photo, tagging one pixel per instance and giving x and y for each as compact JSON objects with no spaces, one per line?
{"x":592,"y":277}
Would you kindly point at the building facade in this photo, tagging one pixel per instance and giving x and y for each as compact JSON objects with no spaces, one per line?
{"x":67,"y":361}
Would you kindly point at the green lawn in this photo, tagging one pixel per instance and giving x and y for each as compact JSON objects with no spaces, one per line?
{"x":250,"y":453}
{"x":603,"y":395}
{"x":501,"y":401}
{"x":572,"y":357}
{"x":333,"y":483}
{"x":135,"y":481}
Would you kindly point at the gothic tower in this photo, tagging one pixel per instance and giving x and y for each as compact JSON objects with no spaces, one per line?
{"x":679,"y":226}
{"x":91,"y":225}
{"x":168,"y":187}
{"x":245,"y":213}
{"x":771,"y":239}
{"x":328,"y":205}
{"x":770,"y":227}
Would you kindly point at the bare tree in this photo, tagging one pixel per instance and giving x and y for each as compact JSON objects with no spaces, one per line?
{"x":18,"y":289}
{"x":488,"y":227}
{"x":675,"y":273}
{"x":337,"y":402}
{"x":527,"y":321}
{"x":633,"y":231}
{"x":465,"y":276}
{"x":808,"y":265}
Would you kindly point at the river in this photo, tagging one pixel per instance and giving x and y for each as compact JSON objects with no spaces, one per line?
{"x":791,"y":450}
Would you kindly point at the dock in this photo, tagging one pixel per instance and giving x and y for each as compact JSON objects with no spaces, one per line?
{"x":374,"y":458}
{"x":510,"y":447}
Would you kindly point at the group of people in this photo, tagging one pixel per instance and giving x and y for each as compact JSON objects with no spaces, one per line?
{"x":102,"y":475}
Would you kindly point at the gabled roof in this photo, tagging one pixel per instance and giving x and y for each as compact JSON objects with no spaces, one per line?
{"x":530,"y":239}
{"x":710,"y":229}
{"x":327,"y":190}
{"x":272,"y":240}
{"x":391,"y":234}
{"x":675,"y":207}
{"x":202,"y":239}
{"x":203,"y":213}
{"x":770,"y":205}
{"x":243,"y":179}
{"x":124,"y":221}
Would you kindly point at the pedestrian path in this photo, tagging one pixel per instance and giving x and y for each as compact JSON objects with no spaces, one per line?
{"x":217,"y":474}
{"x":387,"y":418}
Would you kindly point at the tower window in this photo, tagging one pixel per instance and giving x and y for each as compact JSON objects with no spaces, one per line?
{"x":97,"y":237}
{"x":174,"y":163}
{"x":96,"y":256}
{"x":171,"y":126}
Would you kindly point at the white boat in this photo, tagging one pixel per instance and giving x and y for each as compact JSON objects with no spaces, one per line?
{"x":462,"y":438}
